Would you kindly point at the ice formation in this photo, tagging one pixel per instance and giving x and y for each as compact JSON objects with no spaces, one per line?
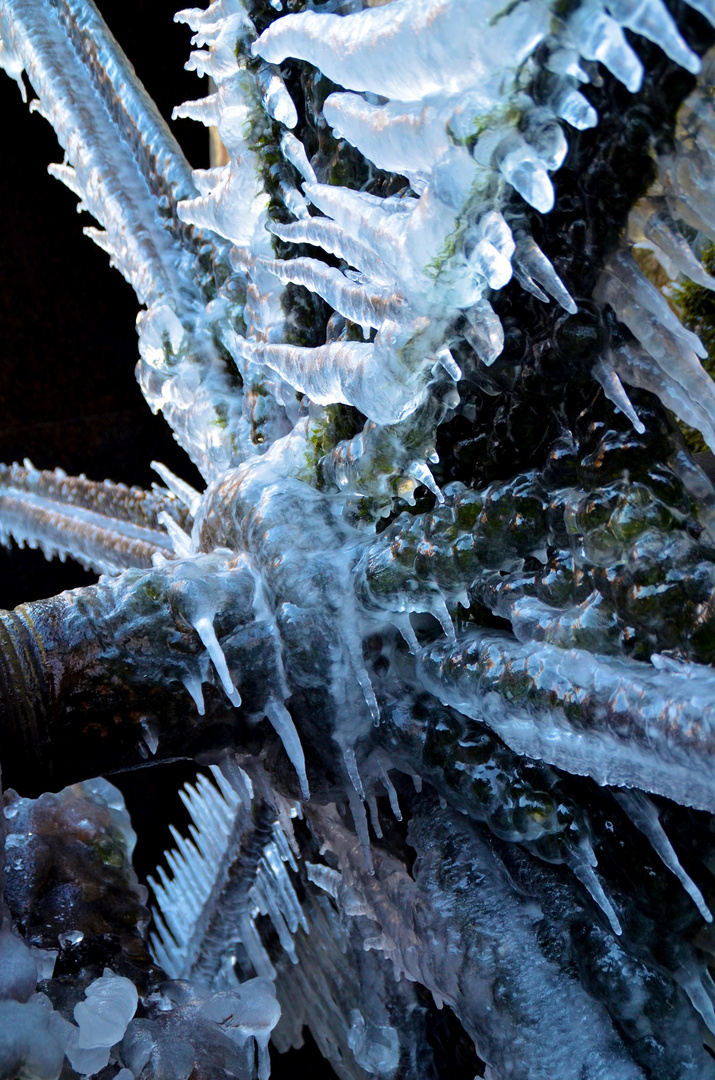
{"x":441,"y":622}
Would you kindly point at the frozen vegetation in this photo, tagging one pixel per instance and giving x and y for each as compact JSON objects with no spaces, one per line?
{"x":440,"y":626}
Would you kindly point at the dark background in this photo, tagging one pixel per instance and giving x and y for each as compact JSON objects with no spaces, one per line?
{"x":68,"y":348}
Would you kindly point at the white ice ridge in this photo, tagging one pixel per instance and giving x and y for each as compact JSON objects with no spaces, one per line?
{"x":219,"y":884}
{"x":643,"y":726}
{"x":106,"y":124}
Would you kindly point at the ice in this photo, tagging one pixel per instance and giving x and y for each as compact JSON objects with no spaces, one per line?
{"x":326,"y":879}
{"x":665,"y":718}
{"x":532,"y":266}
{"x":183,"y":491}
{"x":110,"y":1003}
{"x":311,"y":442}
{"x":18,"y":971}
{"x":356,"y":302}
{"x":409,"y":49}
{"x":294,"y":151}
{"x":526,"y":172}
{"x":400,"y":137}
{"x":650,"y":225}
{"x":575,"y":109}
{"x":637,"y":368}
{"x":61,"y":527}
{"x":28,"y":1044}
{"x":646,"y":313}
{"x":233,"y":206}
{"x":328,"y":235}
{"x":205,"y":630}
{"x":343,"y":372}
{"x":652,"y":19}
{"x":376,"y":1049}
{"x":82,"y":111}
{"x":484,"y":332}
{"x":705,"y":7}
{"x":643,"y":814}
{"x":282,"y":721}
{"x":276,"y":99}
{"x":613,"y":389}
{"x":599,"y":37}
{"x":219,"y":61}
{"x":583,"y":863}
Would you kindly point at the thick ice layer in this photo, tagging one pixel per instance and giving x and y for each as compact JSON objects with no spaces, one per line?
{"x":566,"y":1028}
{"x":634,"y":726}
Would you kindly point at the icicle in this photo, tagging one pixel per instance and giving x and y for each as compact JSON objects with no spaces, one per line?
{"x":419,"y":48}
{"x":332,"y":238}
{"x":582,"y":863}
{"x":599,"y":37}
{"x":282,"y":722}
{"x":355,"y":302}
{"x":102,"y":239}
{"x":399,"y":137}
{"x":403,"y":624}
{"x":193,"y":685}
{"x":530,"y":260}
{"x":613,"y":389}
{"x":638,"y":368}
{"x":68,"y":177}
{"x":343,"y":371}
{"x":450,"y":365}
{"x":325,"y":878}
{"x":575,"y":109}
{"x":652,"y":19}
{"x":692,"y":979}
{"x":188,"y":495}
{"x":232,"y":207}
{"x":276,"y":100}
{"x":294,"y":151}
{"x":484,"y":331}
{"x":423,"y":475}
{"x":391,"y":793}
{"x":644,"y":816}
{"x":526,"y":172}
{"x":374,"y":816}
{"x":357,"y":809}
{"x":669,"y":244}
{"x":353,"y":771}
{"x":180,"y":541}
{"x":204,"y":111}
{"x":205,"y":629}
